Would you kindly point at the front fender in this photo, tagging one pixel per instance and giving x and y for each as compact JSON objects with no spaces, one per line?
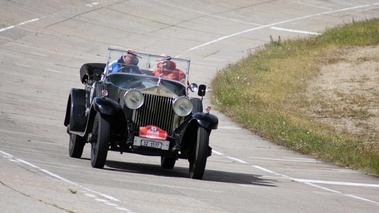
{"x":75,"y":110}
{"x":105,"y":105}
{"x":206,"y":120}
{"x":185,"y":134}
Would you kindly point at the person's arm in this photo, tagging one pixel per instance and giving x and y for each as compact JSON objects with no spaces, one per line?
{"x":156,"y":72}
{"x":135,"y":69}
{"x":182,"y":76}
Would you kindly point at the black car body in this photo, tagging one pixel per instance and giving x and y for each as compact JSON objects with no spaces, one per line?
{"x":139,"y":113}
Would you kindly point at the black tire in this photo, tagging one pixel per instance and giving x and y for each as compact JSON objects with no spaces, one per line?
{"x":100,"y":141}
{"x":197,"y":105}
{"x":167,"y":162}
{"x":76,"y":146}
{"x":199,"y":156}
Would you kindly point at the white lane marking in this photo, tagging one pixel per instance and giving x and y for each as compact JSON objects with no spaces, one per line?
{"x":229,"y":127}
{"x":336,"y":183}
{"x":310,"y":183}
{"x":272,"y":25}
{"x":95,"y":192}
{"x":26,"y":163}
{"x":236,"y":159}
{"x":312,"y":5}
{"x":6,"y":154}
{"x":288,"y":159}
{"x":70,"y":182}
{"x":18,"y":160}
{"x":294,"y":31}
{"x":89,"y":195}
{"x":55,"y":71}
{"x":111,"y":204}
{"x":30,"y":21}
{"x":217,"y":153}
{"x":323,"y":188}
{"x":123,"y":209}
{"x":23,"y":65}
{"x":231,"y":158}
{"x":271,"y":172}
{"x":361,"y":198}
{"x":21,"y":23}
{"x":6,"y":28}
{"x":92,"y":4}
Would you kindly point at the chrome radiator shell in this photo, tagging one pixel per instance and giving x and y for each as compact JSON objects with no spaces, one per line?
{"x":157,"y":111}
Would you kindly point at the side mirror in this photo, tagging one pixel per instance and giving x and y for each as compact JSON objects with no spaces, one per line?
{"x":202,"y":90}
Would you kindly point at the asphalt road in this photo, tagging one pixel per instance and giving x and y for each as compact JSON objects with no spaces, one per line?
{"x":44,"y":43}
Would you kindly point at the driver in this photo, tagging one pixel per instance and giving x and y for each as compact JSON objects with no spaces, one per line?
{"x":127,"y":58}
{"x":167,"y":69}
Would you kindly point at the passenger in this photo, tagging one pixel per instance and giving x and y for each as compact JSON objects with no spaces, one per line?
{"x":127,"y":62}
{"x":167,"y":69}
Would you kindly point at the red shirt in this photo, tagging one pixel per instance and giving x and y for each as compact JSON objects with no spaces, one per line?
{"x":173,"y":73}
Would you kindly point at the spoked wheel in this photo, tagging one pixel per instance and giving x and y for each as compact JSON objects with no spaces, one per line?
{"x":167,"y":162}
{"x":100,"y":141}
{"x":76,"y":146}
{"x":199,"y":155}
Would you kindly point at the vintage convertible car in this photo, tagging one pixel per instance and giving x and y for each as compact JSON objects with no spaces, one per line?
{"x":137,"y":112}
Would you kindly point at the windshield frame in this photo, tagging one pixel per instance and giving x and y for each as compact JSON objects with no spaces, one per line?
{"x":148,"y":62}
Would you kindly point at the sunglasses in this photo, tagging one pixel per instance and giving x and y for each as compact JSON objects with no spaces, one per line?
{"x":131,"y":53}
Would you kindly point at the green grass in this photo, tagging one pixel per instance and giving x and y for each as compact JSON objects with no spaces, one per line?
{"x":266,"y":93}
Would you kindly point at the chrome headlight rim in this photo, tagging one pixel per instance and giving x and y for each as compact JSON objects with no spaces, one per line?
{"x":182,"y":106}
{"x":133,"y":99}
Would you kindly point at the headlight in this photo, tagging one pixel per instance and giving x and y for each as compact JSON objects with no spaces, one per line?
{"x":133,"y":99}
{"x":182,"y":106}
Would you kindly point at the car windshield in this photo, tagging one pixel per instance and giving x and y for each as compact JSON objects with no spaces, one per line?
{"x":158,"y":66}
{"x":135,"y":81}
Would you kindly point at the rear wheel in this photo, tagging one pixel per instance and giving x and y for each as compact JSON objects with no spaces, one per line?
{"x":76,"y":146}
{"x":199,"y":155}
{"x":100,"y":141}
{"x":168,"y":162}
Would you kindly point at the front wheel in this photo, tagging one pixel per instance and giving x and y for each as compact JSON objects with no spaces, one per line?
{"x":100,"y":141}
{"x":167,"y":162}
{"x":76,"y":146}
{"x":199,"y":156}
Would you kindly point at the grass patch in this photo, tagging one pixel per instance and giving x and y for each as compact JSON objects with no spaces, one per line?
{"x":267,"y":93}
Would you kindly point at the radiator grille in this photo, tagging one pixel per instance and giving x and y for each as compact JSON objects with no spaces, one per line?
{"x":157,"y":111}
